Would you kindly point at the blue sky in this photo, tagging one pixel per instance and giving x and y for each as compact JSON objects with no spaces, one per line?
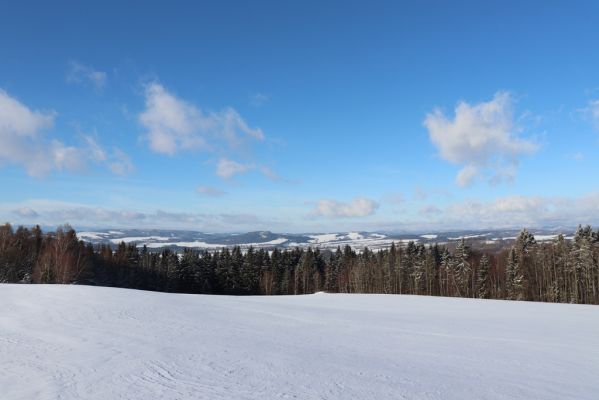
{"x":299,"y":116}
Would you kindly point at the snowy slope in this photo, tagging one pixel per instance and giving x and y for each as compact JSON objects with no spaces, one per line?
{"x":77,"y":342}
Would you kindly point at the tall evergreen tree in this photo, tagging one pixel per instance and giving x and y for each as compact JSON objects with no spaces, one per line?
{"x":483,"y":282}
{"x":462,"y":267}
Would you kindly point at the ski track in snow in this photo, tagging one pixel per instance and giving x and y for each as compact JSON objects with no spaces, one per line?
{"x":79,"y":342}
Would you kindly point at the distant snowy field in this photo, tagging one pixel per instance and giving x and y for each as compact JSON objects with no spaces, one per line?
{"x":78,"y":342}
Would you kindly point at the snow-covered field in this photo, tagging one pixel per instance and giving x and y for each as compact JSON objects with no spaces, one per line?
{"x":78,"y":342}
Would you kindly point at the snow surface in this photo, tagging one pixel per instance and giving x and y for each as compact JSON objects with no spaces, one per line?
{"x":545,"y":238}
{"x":331,"y":241}
{"x":326,"y":237}
{"x":429,"y":236}
{"x":274,"y":241}
{"x":468,"y":236}
{"x":204,"y":245}
{"x":91,"y":235}
{"x":378,"y":235}
{"x":78,"y":342}
{"x":139,"y":239}
{"x":198,"y":244}
{"x":354,"y":236}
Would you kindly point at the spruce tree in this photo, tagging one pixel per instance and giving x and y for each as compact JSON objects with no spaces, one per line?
{"x":483,"y":278}
{"x":514,"y":277}
{"x":462,"y":267}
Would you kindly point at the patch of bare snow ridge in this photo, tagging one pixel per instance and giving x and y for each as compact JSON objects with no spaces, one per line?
{"x":323,"y":238}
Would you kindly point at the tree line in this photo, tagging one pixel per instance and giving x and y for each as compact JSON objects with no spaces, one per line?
{"x":557,"y":271}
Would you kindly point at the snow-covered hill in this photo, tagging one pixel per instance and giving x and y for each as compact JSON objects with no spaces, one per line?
{"x":157,"y":239}
{"x":78,"y":342}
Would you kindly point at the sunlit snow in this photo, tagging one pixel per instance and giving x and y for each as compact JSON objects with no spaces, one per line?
{"x":78,"y":342}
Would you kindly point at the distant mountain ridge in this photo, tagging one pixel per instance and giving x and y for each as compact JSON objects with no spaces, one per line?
{"x":178,"y":239}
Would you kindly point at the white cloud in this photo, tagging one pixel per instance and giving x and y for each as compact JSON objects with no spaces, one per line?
{"x":175,"y":125}
{"x":20,"y":120}
{"x":358,"y":207}
{"x":480,"y":137}
{"x":227,"y":169}
{"x":79,"y":73}
{"x":210,"y":191}
{"x":23,"y":143}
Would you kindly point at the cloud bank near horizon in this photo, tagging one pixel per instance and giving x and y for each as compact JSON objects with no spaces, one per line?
{"x":510,"y":212}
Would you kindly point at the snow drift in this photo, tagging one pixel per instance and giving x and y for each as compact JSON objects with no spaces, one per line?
{"x":78,"y":342}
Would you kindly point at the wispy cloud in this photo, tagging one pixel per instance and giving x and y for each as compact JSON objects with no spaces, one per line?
{"x":79,"y":73}
{"x":120,"y":163}
{"x":357,"y":207}
{"x":270,"y":173}
{"x":259,"y":99}
{"x":274,"y":176}
{"x":594,"y":109}
{"x":26,"y":212}
{"x":591,"y":111}
{"x":578,"y":156}
{"x":227,"y":169}
{"x":480,"y":137}
{"x":420,"y":194}
{"x":96,"y":151}
{"x":47,"y":212}
{"x":430,"y":210}
{"x":23,"y":142}
{"x":395,"y":198}
{"x":210,"y":191}
{"x":116,"y":161}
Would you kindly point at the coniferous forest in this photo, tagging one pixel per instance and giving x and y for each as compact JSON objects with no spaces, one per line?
{"x":565,"y":271}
